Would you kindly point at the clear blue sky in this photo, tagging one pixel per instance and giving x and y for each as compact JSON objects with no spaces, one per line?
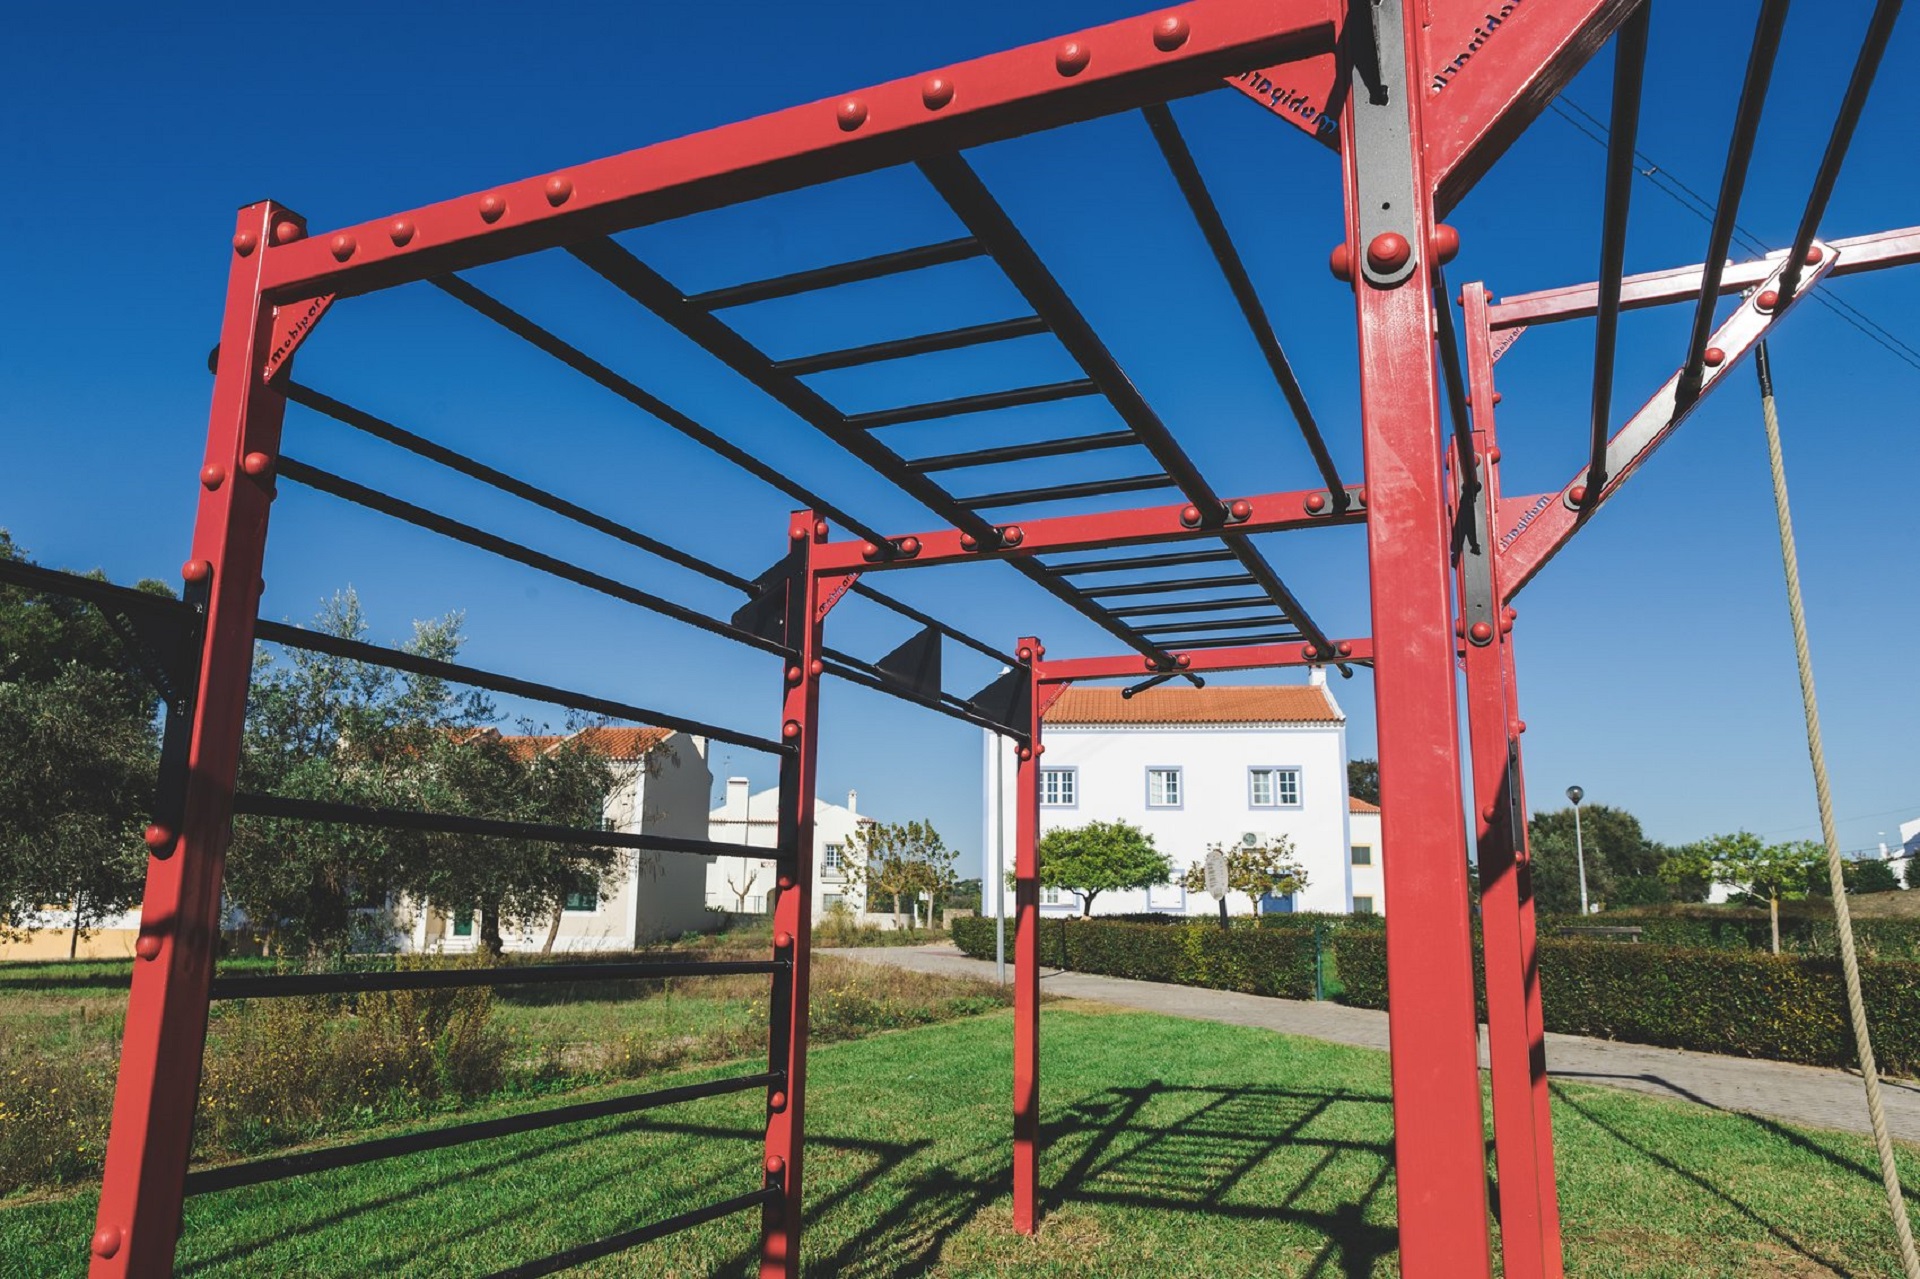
{"x":1655,"y":660}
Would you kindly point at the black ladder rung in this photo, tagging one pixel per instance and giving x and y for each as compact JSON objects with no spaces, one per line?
{"x":1170,"y":560}
{"x":1224,"y":624}
{"x":290,"y":985}
{"x":985,"y":402}
{"x":1067,"y":492}
{"x":1172,"y":584}
{"x":1026,"y":452}
{"x":923,"y":344}
{"x":1195,"y":606}
{"x":1231,"y":641}
{"x":826,"y":277}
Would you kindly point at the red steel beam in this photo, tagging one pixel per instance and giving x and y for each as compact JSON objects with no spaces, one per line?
{"x":1267,"y":513}
{"x":1536,"y":528}
{"x":1682,"y":284}
{"x":1121,"y":65}
{"x":1204,"y":660}
{"x":1026,"y":953}
{"x":138,"y":1221}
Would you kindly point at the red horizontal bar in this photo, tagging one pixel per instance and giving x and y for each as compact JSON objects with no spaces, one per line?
{"x":1203,"y":660}
{"x":1271,"y":513}
{"x":1682,"y":284}
{"x":1106,"y":69}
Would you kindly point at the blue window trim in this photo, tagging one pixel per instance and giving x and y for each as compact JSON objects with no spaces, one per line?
{"x":1180,"y":785}
{"x":1072,"y":769}
{"x":1299,"y":785}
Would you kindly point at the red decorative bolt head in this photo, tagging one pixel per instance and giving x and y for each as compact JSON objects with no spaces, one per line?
{"x":1488,"y":813}
{"x":785,"y":881}
{"x":819,"y":528}
{"x":1512,"y":613}
{"x":909,"y":546}
{"x":245,"y":242}
{"x":1149,"y":664}
{"x":1309,"y":652}
{"x":816,"y":666}
{"x":492,"y":207}
{"x":1183,"y":661}
{"x":1241,"y":509}
{"x":256,"y":464}
{"x":1071,"y":58}
{"x":286,"y":231}
{"x":1444,"y":243}
{"x":1340,"y":261}
{"x":782,"y":940}
{"x":1578,"y":494}
{"x":213,"y":475}
{"x":1480,"y":632}
{"x":148,"y":947}
{"x":1024,"y":653}
{"x":1814,"y":254}
{"x":1714,"y":357}
{"x":158,"y":837}
{"x":790,"y":729}
{"x":1344,"y":649}
{"x":1040,"y":650}
{"x":968,"y":542}
{"x":400,"y":231}
{"x":1171,"y":33}
{"x":852,"y":113}
{"x":559,"y":189}
{"x":776,"y":1101}
{"x":106,"y":1241}
{"x":869,"y":550}
{"x":1190,"y":516}
{"x":775,"y":1165}
{"x":795,"y":674}
{"x":195,"y":570}
{"x":1767,"y":300}
{"x":1520,"y":724}
{"x":1012,"y":536}
{"x":936,"y":92}
{"x":1388,"y":251}
{"x":343,"y":246}
{"x":1040,"y":749}
{"x":1315,"y":503}
{"x":1493,"y":454}
{"x":1497,"y":397}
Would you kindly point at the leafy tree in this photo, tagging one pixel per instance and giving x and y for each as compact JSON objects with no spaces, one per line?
{"x":1623,"y":865}
{"x":1871,"y":875}
{"x":1363,"y":779}
{"x":79,"y":748}
{"x":1089,"y":860}
{"x":967,"y":894}
{"x":902,"y":861}
{"x":1262,"y":870}
{"x":1757,"y":868}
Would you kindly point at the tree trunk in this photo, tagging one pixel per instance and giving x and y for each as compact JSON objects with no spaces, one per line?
{"x":1086,"y":904}
{"x":1773,"y":907}
{"x":490,"y":929}
{"x":73,"y":942}
{"x":553,"y":931}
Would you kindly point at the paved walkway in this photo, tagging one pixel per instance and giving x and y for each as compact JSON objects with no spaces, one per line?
{"x":1807,"y":1095}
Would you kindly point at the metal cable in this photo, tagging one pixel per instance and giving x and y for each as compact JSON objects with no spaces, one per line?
{"x":1842,"y":915}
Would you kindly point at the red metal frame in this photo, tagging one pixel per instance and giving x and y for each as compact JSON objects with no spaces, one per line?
{"x":1026,"y":948}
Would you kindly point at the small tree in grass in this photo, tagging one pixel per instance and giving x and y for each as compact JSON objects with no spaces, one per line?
{"x":1760,"y":869}
{"x":1264,"y":869}
{"x":902,"y":861}
{"x":1091,"y":859}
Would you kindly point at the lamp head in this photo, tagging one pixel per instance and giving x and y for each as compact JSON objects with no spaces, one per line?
{"x":1575,"y":794}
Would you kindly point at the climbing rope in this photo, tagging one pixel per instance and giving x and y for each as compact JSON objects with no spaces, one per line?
{"x":1842,"y":915}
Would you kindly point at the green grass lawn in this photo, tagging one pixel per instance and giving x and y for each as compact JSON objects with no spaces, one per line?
{"x":1175,"y":1148}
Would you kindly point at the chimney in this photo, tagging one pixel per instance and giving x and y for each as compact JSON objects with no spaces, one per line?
{"x":736,"y":808}
{"x":853,"y":802}
{"x":1317,"y":676}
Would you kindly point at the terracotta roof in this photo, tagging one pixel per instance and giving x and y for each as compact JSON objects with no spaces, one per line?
{"x":1243,"y":704}
{"x":614,"y":743}
{"x":1357,"y":805}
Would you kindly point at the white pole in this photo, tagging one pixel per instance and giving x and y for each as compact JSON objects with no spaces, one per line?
{"x":999,"y":859}
{"x":1580,"y":854}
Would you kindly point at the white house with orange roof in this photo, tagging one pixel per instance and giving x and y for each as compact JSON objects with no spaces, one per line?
{"x":745,"y":887}
{"x":661,"y":787}
{"x":1194,"y":767}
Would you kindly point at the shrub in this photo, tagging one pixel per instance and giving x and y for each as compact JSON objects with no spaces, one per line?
{"x":1806,"y":928}
{"x":1198,"y":952}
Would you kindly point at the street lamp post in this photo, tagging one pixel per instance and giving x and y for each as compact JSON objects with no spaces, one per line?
{"x":1575,"y":794}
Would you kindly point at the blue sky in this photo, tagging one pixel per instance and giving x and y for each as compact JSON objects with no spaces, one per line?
{"x":1656,"y":665}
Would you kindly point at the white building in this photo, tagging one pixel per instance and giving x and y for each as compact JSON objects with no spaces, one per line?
{"x":746,"y":887}
{"x":1194,"y":767}
{"x":661,"y":789}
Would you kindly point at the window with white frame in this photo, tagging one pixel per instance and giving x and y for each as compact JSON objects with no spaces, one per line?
{"x":1274,"y":787}
{"x":1059,"y":787}
{"x":1050,"y":897}
{"x":832,"y":859}
{"x":1163,"y":788}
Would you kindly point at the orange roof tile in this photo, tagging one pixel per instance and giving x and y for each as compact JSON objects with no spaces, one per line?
{"x":614,"y":743}
{"x":1357,"y":805}
{"x":1242,"y":704}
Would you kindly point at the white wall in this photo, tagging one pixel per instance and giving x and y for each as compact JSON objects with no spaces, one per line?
{"x":748,"y":818}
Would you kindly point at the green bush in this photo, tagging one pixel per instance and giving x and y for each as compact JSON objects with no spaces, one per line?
{"x":1740,"y":1003}
{"x":1198,"y":952}
{"x":1806,"y":928}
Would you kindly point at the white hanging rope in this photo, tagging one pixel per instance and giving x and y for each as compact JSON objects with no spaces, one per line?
{"x":1842,"y":915}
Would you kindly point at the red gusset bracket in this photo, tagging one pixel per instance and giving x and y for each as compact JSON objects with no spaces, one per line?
{"x":293,"y":323}
{"x":1535,"y":528}
{"x":1306,"y":94}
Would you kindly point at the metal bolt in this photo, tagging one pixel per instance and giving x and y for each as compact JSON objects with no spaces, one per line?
{"x":968,"y":542}
{"x":1489,"y":813}
{"x":1170,"y":34}
{"x":819,"y":528}
{"x":795,"y":674}
{"x":1024,"y":653}
{"x":195,"y":570}
{"x":1340,"y":261}
{"x":492,"y":207}
{"x":1388,"y":251}
{"x":159,"y":837}
{"x":1520,"y":724}
{"x":256,"y":464}
{"x":790,"y":729}
{"x":816,"y":666}
{"x":1767,"y":300}
{"x":245,"y":242}
{"x":775,"y":1165}
{"x":1480,"y":632}
{"x":1344,"y":649}
{"x":559,"y":190}
{"x":1316,"y":503}
{"x":776,"y":1101}
{"x":909,"y":546}
{"x":106,"y":1241}
{"x":1072,"y":58}
{"x":782,"y":940}
{"x":1309,"y":652}
{"x":1190,"y":516}
{"x":869,"y":550}
{"x":1241,"y":509}
{"x":1012,"y":536}
{"x":936,"y":92}
{"x":1714,"y":357}
{"x":1026,"y":752}
{"x":1493,"y":455}
{"x":343,"y":246}
{"x":401,"y":232}
{"x":213,"y":475}
{"x":1183,"y":661}
{"x":785,"y":882}
{"x":148,"y":947}
{"x":1444,"y":243}
{"x":286,"y":231}
{"x":852,"y":113}
{"x":1497,"y":397}
{"x":1814,"y":254}
{"x":1577,"y":495}
{"x":1149,"y":663}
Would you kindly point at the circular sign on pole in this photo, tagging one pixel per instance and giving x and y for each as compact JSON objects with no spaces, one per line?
{"x":1216,"y":873}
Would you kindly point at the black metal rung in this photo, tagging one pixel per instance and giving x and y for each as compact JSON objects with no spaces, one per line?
{"x":1170,"y":560}
{"x":1067,"y":492}
{"x":1026,"y":452}
{"x":1233,"y":641}
{"x":1172,"y":584}
{"x":1195,"y":606}
{"x":985,"y":402}
{"x":568,"y":1258}
{"x":827,"y":277}
{"x":1198,"y":628}
{"x":298,"y":984}
{"x":923,"y":344}
{"x":260,"y":1171}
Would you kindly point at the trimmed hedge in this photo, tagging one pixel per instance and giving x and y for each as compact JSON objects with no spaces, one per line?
{"x":1802,"y":932}
{"x":1254,"y":961}
{"x":1740,"y":1003}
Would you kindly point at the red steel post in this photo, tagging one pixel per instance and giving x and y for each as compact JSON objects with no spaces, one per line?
{"x":1439,"y":1159}
{"x":138,"y":1222}
{"x":809,"y":597}
{"x":1026,"y":959}
{"x":1529,"y":1205}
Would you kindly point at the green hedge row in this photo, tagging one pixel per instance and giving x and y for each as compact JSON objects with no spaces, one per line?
{"x":1254,"y":961}
{"x":1740,"y":1003}
{"x":1731,"y":928}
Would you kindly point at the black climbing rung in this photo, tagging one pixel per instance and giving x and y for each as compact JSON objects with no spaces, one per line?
{"x":827,"y":277}
{"x":293,"y":985}
{"x":1025,"y":452}
{"x":1196,"y":628}
{"x":1231,"y":641}
{"x":1172,"y":584}
{"x":1067,"y":492}
{"x":985,"y":402}
{"x":1170,"y":560}
{"x":924,"y":344}
{"x":1194,"y":606}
